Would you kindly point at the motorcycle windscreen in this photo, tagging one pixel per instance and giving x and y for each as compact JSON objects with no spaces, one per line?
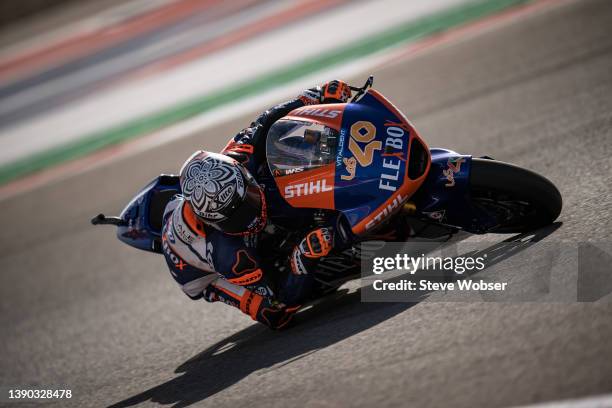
{"x":301,"y":156}
{"x":295,"y":146}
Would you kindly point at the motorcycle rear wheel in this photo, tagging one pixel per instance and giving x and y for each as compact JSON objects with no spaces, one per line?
{"x":520,"y":199}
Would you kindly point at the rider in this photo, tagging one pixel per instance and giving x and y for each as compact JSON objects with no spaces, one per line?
{"x":211,"y":230}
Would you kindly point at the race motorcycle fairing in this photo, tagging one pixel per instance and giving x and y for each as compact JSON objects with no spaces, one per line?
{"x":362,"y":159}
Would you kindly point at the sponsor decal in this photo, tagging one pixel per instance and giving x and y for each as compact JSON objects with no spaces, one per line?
{"x":381,"y":215}
{"x":178,"y":262}
{"x":454,"y":166}
{"x":393,"y":156}
{"x":340,"y":147}
{"x":308,"y":188}
{"x":225,"y":194}
{"x":294,"y":170}
{"x":363,"y":133}
{"x":177,"y":225}
{"x":286,"y":172}
{"x":314,"y":188}
{"x":322,"y":113}
{"x":351,"y":167}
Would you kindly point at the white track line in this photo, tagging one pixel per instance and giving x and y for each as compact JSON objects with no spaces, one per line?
{"x":250,"y":59}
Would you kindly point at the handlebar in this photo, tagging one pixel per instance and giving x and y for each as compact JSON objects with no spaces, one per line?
{"x":361,"y":90}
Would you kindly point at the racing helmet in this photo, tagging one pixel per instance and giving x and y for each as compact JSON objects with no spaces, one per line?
{"x":223,"y":194}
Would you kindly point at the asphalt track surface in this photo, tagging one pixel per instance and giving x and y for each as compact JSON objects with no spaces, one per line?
{"x":81,"y":310}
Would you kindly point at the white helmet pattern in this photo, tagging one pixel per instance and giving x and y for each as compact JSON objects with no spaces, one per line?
{"x":210,"y":182}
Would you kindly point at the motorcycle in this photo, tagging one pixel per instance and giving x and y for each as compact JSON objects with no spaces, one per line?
{"x":364,"y":163}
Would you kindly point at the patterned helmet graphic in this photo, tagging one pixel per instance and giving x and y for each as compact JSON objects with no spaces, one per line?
{"x":213,"y":184}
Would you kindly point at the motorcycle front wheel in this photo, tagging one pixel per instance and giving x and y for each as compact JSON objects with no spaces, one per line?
{"x":520,"y":199}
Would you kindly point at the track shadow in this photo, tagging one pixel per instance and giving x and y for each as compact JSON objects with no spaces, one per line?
{"x":513,"y":245}
{"x":257,"y":348}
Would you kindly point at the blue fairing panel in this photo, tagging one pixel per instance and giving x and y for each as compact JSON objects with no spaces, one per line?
{"x":143,"y":215}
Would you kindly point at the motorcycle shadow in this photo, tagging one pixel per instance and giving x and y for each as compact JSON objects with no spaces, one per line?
{"x":258,"y":349}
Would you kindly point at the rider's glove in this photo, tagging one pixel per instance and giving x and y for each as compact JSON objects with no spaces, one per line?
{"x":240,"y":148}
{"x":314,"y":246}
{"x":312,"y":96}
{"x":335,"y":91}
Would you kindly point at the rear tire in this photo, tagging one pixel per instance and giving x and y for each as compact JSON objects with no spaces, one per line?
{"x":521,"y":199}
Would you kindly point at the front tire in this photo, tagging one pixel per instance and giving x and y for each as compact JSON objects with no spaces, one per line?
{"x":520,"y":199}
